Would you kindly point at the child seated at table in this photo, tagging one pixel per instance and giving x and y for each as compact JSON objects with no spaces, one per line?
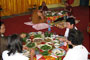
{"x":14,"y":49}
{"x":78,"y":52}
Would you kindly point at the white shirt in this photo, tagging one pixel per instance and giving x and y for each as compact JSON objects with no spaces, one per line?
{"x":16,"y":56}
{"x":77,"y":53}
{"x":67,"y":32}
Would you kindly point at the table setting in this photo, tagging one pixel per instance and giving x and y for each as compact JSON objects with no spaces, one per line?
{"x":58,"y":18}
{"x":47,"y":45}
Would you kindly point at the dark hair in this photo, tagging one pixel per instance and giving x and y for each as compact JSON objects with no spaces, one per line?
{"x":43,"y":3}
{"x":14,"y":44}
{"x":67,"y":2}
{"x":71,"y":20}
{"x":1,"y":24}
{"x":40,"y":7}
{"x":75,"y":36}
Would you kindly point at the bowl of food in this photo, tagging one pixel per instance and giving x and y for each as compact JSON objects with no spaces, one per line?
{"x":45,"y":47}
{"x":37,"y":39}
{"x":31,"y":45}
{"x":28,"y":40}
{"x":56,"y":45}
{"x":56,"y":41}
{"x":48,"y":39}
{"x":58,"y":52}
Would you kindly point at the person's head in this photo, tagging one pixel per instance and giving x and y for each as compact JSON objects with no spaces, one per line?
{"x":66,"y":4}
{"x":75,"y":37}
{"x":43,"y":3}
{"x":14,"y":44}
{"x":2,"y":28}
{"x":70,"y":23}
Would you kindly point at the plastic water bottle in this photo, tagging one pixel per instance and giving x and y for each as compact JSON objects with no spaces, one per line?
{"x":49,"y":29}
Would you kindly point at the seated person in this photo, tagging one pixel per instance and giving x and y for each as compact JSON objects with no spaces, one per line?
{"x":14,"y":49}
{"x":2,"y":29}
{"x":43,"y":6}
{"x":68,"y":9}
{"x":70,"y":24}
{"x":38,"y":17}
{"x":3,"y":39}
{"x":78,"y":52}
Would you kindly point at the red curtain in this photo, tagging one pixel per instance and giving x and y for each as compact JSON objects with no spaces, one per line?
{"x":70,"y":1}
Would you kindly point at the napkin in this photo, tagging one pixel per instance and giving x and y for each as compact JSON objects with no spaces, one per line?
{"x":38,"y":56}
{"x":40,"y":26}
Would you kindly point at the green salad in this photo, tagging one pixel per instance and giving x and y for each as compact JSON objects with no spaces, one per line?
{"x":45,"y":47}
{"x":45,"y":53}
{"x":37,"y":36}
{"x":30,"y":45}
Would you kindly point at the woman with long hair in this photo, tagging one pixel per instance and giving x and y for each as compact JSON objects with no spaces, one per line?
{"x":14,"y":49}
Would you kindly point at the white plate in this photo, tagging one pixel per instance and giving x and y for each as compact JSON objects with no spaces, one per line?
{"x":26,"y":53}
{"x":28,"y":40}
{"x":38,"y":38}
{"x":49,"y":38}
{"x":55,"y":41}
{"x":58,"y":52}
{"x":32,"y":33}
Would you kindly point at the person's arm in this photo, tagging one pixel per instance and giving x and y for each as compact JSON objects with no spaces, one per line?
{"x":70,"y":10}
{"x":41,"y":15}
{"x":32,"y":53}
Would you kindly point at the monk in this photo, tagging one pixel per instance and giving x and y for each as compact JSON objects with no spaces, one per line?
{"x":38,"y":17}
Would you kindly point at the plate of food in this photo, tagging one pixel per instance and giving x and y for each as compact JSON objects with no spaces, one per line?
{"x":56,"y":41}
{"x":37,"y":39}
{"x":58,"y":52}
{"x":31,"y":45}
{"x":48,"y":39}
{"x":45,"y":47}
{"x":26,"y":53}
{"x":32,"y":33}
{"x":56,"y":45}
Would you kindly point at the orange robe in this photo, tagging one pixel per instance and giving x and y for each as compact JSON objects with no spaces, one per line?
{"x":38,"y":17}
